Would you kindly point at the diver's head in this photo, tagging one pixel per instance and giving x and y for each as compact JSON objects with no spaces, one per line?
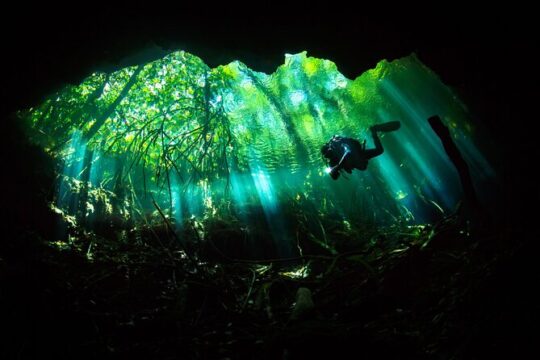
{"x":335,"y":174}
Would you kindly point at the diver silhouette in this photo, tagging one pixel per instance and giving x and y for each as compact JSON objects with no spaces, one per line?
{"x":347,"y":153}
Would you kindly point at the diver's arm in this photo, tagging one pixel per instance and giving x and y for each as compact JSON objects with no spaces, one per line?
{"x":345,"y":154}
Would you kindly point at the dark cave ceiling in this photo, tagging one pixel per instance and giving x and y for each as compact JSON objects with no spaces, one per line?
{"x":47,"y":47}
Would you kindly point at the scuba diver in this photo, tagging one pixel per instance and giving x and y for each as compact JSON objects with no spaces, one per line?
{"x":347,"y":154}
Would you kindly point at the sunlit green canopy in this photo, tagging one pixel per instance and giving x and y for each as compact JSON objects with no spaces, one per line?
{"x":204,"y":141}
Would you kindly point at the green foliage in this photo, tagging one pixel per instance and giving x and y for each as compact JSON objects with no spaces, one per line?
{"x":208,"y":142}
{"x":180,"y":116}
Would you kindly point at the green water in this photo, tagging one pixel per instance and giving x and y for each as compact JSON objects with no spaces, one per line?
{"x":231,"y":142}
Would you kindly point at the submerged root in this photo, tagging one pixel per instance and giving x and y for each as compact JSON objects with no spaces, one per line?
{"x":137,"y":294}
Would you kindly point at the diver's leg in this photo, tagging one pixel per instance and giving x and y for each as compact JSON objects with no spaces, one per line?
{"x":378,"y":150}
{"x":384,"y":127}
{"x":387,"y":126}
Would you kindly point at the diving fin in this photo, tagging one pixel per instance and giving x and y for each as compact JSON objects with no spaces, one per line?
{"x":387,"y":126}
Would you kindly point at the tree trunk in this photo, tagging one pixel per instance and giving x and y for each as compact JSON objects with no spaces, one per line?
{"x":119,"y":186}
{"x":455,"y":156}
{"x":110,"y":109}
{"x":89,"y":105}
{"x":85,"y":180}
{"x":289,"y":126}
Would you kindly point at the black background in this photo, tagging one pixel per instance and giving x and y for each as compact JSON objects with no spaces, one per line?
{"x":488,"y":56}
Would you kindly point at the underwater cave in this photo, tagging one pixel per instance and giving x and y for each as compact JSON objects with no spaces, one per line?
{"x":164,"y":208}
{"x":234,"y":148}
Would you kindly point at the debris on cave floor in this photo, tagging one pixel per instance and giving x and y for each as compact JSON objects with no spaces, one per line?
{"x":405,"y":295}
